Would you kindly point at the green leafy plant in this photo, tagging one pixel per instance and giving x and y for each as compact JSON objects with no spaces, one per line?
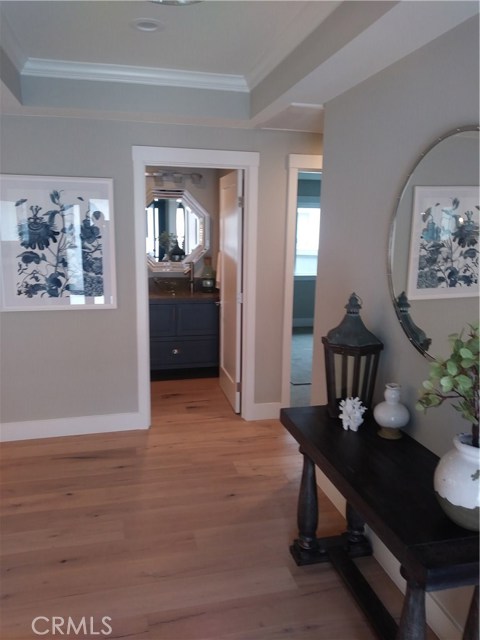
{"x":167,"y":240}
{"x":456,"y":378}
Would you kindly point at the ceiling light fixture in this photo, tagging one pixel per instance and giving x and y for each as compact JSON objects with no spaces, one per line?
{"x":176,"y":3}
{"x":147,"y":24}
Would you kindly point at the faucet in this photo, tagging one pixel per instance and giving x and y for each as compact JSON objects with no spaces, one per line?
{"x":190,"y":269}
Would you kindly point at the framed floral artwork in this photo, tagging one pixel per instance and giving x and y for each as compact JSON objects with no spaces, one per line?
{"x":56,"y":243}
{"x":443,"y":260}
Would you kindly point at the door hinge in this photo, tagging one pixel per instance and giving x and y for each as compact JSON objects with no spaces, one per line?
{"x":239,"y":387}
{"x":240,"y":202}
{"x":240,"y":298}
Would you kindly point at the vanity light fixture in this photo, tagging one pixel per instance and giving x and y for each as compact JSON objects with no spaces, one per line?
{"x":177,"y":177}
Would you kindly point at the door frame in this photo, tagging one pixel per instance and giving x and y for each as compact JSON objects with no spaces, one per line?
{"x":144,"y":156}
{"x":296,"y":163}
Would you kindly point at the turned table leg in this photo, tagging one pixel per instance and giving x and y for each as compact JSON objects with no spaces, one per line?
{"x":358,"y":544}
{"x":471,"y":626}
{"x":305,"y":549}
{"x":307,"y":509}
{"x":413,"y":622}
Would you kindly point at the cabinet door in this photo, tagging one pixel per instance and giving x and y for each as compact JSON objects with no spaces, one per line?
{"x":162,"y":320}
{"x":197,"y":319}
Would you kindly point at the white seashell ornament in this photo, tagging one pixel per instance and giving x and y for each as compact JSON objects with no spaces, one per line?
{"x":352,"y":411}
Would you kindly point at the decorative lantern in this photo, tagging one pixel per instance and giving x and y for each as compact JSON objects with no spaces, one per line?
{"x":351,"y":359}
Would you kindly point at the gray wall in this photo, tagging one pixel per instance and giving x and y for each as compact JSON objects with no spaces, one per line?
{"x":373,"y":136}
{"x":80,"y":363}
{"x":303,"y":301}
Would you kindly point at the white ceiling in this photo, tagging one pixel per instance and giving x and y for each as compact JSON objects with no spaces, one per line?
{"x":233,"y":38}
{"x":249,"y":63}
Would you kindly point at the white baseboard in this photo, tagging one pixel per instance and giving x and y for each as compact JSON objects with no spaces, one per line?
{"x":34,"y":429}
{"x":264,"y":411}
{"x":440,"y":620}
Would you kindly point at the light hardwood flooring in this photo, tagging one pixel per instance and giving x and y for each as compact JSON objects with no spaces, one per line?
{"x":178,"y":533}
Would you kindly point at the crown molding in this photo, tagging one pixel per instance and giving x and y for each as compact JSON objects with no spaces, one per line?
{"x":11,"y":46}
{"x":133,"y":75}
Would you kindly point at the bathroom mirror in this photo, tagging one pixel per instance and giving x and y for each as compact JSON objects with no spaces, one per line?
{"x":178,"y":230}
{"x":433,"y":245}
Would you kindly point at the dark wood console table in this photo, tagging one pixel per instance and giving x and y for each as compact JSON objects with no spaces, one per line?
{"x":388,"y":486}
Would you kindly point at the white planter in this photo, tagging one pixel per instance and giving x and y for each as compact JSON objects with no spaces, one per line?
{"x":457,"y":484}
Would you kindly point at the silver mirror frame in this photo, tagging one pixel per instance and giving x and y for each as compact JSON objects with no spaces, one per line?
{"x":204,"y":218}
{"x":413,"y":333}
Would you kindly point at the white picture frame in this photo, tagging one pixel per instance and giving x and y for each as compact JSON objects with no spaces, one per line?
{"x":444,"y":244}
{"x":57,"y":249}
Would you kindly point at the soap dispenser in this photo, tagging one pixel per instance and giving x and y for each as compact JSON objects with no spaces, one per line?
{"x":207,"y":278}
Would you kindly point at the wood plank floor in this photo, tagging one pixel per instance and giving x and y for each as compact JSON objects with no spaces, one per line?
{"x":178,"y":533}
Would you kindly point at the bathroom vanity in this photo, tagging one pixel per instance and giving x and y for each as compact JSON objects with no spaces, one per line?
{"x":184,"y":329}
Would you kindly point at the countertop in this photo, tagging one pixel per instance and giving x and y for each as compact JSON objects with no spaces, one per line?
{"x":172,"y":290}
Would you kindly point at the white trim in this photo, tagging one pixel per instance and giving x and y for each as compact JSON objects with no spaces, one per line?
{"x":70,"y":70}
{"x":296,"y":163}
{"x":304,"y":162}
{"x":217,"y":159}
{"x":84,"y":425}
{"x":264,"y":411}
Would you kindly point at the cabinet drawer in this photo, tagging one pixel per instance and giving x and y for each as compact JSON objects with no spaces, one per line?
{"x":162,"y":320}
{"x":172,"y":354}
{"x":198,"y":319}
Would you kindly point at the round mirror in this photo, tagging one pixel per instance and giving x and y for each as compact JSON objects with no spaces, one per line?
{"x":433,"y":248}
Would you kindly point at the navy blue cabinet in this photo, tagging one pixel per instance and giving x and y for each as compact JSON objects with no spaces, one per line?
{"x":184,"y":333}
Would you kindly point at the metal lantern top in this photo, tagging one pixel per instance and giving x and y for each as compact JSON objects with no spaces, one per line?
{"x":351,"y":359}
{"x":351,"y":332}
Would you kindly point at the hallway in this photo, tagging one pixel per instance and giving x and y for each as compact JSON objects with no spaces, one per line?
{"x":180,"y":533}
{"x":301,"y":367}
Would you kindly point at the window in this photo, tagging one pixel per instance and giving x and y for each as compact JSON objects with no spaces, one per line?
{"x":306,"y":247}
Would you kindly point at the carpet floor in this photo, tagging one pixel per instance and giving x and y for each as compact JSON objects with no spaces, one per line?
{"x":301,"y":367}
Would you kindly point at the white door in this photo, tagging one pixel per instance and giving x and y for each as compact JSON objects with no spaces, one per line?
{"x":230,"y":270}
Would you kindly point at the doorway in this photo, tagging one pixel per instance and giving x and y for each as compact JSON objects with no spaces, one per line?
{"x":292,"y":377}
{"x":307,"y":236}
{"x":175,"y":157}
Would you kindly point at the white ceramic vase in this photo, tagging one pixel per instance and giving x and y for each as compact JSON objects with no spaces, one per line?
{"x":457,"y":484}
{"x":391,"y":415}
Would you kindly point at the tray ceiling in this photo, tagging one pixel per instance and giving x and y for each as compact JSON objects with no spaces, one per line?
{"x":250,"y":63}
